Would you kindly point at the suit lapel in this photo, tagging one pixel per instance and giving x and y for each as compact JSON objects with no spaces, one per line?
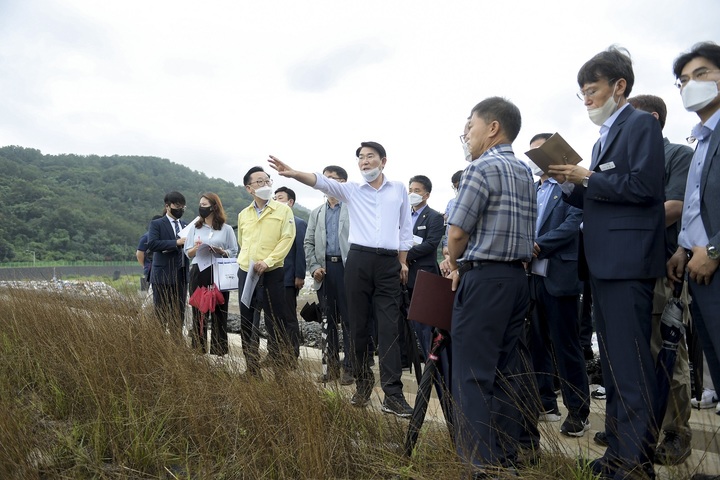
{"x":613,"y":133}
{"x":553,"y":199}
{"x":712,"y":150}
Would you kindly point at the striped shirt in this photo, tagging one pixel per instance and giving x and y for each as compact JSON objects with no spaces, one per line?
{"x":496,"y":206}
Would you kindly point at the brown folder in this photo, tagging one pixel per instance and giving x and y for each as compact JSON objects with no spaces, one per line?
{"x":555,"y":151}
{"x":432,"y":300}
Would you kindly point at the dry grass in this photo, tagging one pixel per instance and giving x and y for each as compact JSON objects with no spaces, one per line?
{"x":93,"y":388}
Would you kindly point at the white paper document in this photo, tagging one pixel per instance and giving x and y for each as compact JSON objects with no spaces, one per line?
{"x":251,"y":281}
{"x":184,"y":232}
{"x":204,"y":256}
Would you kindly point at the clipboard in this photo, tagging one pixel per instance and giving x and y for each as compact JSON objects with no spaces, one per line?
{"x":555,"y":151}
{"x":432,"y":300}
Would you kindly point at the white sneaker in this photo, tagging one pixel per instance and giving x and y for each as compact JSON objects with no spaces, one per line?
{"x":708,"y":399}
{"x":551,"y":416}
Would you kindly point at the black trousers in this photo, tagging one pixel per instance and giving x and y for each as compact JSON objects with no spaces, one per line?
{"x":217,"y":319}
{"x":274,"y":306}
{"x":495,"y":393}
{"x":331,"y":295}
{"x":293,"y":326}
{"x":556,"y":342}
{"x":373,"y":279}
{"x":170,"y":303}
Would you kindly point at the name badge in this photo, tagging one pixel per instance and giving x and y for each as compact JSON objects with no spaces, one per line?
{"x":417,"y":240}
{"x":607,"y":166}
{"x":422,"y":227}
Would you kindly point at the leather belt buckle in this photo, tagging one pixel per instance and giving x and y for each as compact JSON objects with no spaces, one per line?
{"x":333,"y":259}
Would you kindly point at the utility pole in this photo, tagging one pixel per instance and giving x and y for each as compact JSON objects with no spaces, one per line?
{"x":33,"y":254}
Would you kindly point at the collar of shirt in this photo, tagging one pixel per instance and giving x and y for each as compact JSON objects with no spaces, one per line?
{"x":500,"y":150}
{"x":260,"y":210}
{"x":701,"y":131}
{"x":419,"y":211}
{"x":605,"y":128}
{"x":337,"y":205}
{"x":367,"y":185}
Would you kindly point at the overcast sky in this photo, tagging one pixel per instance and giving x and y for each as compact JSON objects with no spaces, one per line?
{"x":219,"y":85}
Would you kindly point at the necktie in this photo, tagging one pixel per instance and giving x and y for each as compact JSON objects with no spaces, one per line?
{"x":177,"y":235}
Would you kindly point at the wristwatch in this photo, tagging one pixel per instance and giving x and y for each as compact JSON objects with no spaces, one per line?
{"x":713,"y":252}
{"x":585,"y":181}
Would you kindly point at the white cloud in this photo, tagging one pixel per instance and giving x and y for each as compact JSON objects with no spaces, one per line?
{"x":218,"y":86}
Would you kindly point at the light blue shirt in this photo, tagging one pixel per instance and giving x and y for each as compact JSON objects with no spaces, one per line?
{"x":543,"y":195}
{"x":693,"y":231}
{"x":378,"y":218}
{"x":223,"y":238}
{"x":605,"y":128}
{"x":416,"y":214}
{"x":332,"y":229}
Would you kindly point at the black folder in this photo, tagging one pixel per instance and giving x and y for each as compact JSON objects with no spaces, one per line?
{"x":432,"y":300}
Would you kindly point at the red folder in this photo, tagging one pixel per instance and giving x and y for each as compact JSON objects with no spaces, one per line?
{"x":432,"y":300}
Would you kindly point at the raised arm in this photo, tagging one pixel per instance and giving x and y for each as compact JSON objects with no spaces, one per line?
{"x":284,"y":170}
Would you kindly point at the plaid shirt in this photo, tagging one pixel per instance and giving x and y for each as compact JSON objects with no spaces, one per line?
{"x":496,"y":205}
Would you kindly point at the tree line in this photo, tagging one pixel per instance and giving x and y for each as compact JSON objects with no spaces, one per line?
{"x":88,"y":207}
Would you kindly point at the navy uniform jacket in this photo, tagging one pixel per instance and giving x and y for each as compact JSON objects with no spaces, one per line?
{"x":294,"y":264}
{"x":430,"y":226}
{"x":558,"y":242}
{"x":167,"y":265}
{"x":623,"y":205}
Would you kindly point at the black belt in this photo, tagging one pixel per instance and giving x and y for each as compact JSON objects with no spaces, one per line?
{"x":333,"y":258}
{"x":467,"y":266}
{"x":377,"y":251}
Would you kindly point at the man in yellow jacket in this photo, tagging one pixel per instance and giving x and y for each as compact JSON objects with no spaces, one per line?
{"x":266,"y":231}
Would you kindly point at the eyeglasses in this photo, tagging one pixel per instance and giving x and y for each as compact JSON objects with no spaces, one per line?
{"x":462,"y":139}
{"x":699,"y":75}
{"x":338,"y":179}
{"x":181,"y":207}
{"x":590,"y":92}
{"x":261,"y":182}
{"x":369,"y":156}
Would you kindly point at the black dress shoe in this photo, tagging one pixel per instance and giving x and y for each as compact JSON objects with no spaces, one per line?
{"x":601,"y":439}
{"x":673,"y":450}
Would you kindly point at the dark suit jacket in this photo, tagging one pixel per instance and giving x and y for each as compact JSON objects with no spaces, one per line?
{"x":430,"y":227}
{"x":558,"y":242}
{"x":623,"y":211}
{"x":167,"y":267}
{"x":294,"y":264}
{"x":710,"y":190}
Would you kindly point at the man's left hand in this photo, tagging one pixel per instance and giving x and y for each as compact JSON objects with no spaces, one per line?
{"x":569,"y":173}
{"x":404,"y":273}
{"x":299,"y":283}
{"x":700,"y":268}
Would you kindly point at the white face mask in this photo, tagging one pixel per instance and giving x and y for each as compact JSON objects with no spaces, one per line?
{"x":415,"y":199}
{"x":599,"y":115}
{"x":466,"y":150}
{"x":264,"y":193}
{"x":371,"y":175}
{"x":537,"y":171}
{"x":698,"y":95}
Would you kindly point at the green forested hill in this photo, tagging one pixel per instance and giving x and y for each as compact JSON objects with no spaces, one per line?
{"x":74,"y":207}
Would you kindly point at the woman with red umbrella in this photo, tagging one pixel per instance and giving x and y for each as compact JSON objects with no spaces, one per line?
{"x":210,"y":237}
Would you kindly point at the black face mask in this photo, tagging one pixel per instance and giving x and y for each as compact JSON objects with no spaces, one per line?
{"x":177,"y":212}
{"x":204,"y":211}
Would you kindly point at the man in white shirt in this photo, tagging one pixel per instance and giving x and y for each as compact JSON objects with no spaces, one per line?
{"x":380,"y":237}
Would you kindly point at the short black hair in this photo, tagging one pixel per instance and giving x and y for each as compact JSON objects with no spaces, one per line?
{"x":374,"y":145}
{"x":339,"y":171}
{"x":456,"y":177}
{"x":246,"y":178}
{"x":174,"y":197}
{"x":290,"y":193}
{"x":422,"y":180}
{"x":709,"y":50}
{"x":540,"y":136}
{"x":650,"y":104}
{"x":503,"y":111}
{"x":613,"y":64}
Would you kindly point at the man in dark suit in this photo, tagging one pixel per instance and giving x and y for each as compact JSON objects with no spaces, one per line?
{"x":293,"y":269}
{"x":698,"y":75}
{"x":428,"y":230}
{"x":555,"y":287}
{"x":168,"y":274}
{"x":622,"y":196}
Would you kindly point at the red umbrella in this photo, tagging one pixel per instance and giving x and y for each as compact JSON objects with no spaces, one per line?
{"x":206,"y":299}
